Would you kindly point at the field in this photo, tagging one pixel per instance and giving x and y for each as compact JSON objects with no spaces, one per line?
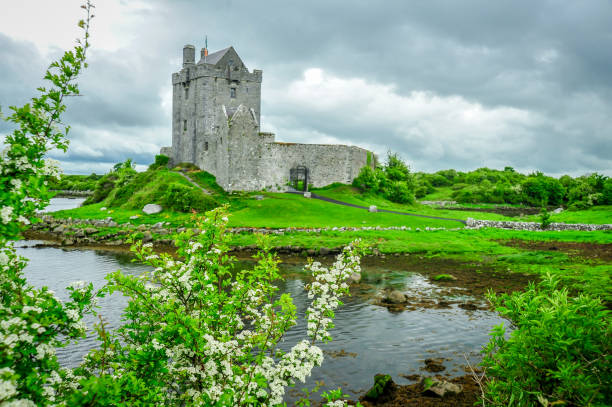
{"x":581,"y":259}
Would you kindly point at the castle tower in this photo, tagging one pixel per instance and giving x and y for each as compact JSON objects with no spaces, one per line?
{"x":204,"y":95}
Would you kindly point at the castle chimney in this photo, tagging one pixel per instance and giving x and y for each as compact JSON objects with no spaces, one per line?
{"x":188,"y":55}
{"x":203,"y":54}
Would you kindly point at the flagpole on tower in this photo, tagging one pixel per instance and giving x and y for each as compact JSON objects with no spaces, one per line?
{"x":205,"y":47}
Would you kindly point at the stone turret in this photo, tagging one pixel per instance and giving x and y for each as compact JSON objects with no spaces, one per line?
{"x":188,"y":55}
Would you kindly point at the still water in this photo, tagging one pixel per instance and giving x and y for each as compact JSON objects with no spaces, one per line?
{"x":367,"y":339}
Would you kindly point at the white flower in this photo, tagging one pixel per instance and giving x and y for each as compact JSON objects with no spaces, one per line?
{"x":19,"y":403}
{"x":7,"y":389}
{"x":77,"y":285}
{"x":72,"y":314}
{"x":52,"y":168}
{"x":16,"y":183}
{"x":6,"y":214}
{"x":43,"y":350}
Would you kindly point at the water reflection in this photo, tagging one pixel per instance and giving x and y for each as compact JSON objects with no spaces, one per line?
{"x":370,"y":338}
{"x":59,"y":204}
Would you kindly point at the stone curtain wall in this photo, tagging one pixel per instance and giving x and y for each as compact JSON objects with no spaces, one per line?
{"x":256,"y":164}
{"x":326,"y":163}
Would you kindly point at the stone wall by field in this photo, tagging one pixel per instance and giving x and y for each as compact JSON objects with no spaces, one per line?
{"x":534,"y":226}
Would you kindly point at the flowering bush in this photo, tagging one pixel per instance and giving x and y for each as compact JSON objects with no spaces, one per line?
{"x":199,"y":333}
{"x":33,"y":322}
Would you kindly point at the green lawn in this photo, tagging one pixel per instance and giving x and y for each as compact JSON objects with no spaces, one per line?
{"x":123,"y":215}
{"x":482,"y":248}
{"x":280,"y":210}
{"x":347,"y":193}
{"x":596,"y":214}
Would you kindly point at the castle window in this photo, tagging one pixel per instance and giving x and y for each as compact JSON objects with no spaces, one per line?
{"x":233,"y":93}
{"x":187,"y":92}
{"x":184,"y":125}
{"x":206,"y":146}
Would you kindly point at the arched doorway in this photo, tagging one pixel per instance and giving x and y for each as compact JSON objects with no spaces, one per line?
{"x":299,"y":177}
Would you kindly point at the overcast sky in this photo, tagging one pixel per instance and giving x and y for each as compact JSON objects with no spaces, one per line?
{"x":446,"y":84}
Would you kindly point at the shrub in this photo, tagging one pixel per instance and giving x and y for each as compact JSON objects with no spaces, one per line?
{"x":34,"y":322}
{"x":558,"y":354}
{"x":366,"y":181}
{"x":539,"y":188}
{"x":183,"y":198}
{"x":161,"y":161}
{"x":607,"y":192}
{"x":579,"y":206}
{"x":199,"y":332}
{"x":185,"y":166}
{"x":545,"y":220}
{"x":396,"y":169}
{"x":399,"y":192}
{"x":440,"y":181}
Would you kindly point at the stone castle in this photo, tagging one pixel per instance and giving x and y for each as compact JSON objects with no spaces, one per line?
{"x":216,"y":108}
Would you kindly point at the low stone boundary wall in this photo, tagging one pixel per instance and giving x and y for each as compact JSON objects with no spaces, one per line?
{"x":95,"y":231}
{"x":438,"y":203}
{"x":534,"y":226}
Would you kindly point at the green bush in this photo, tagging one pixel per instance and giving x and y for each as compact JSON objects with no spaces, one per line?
{"x":184,"y":166}
{"x":545,"y":220}
{"x":103,"y":187}
{"x":182,"y":198}
{"x":607,"y":192}
{"x":366,"y":181}
{"x":539,"y":188}
{"x":579,"y":206}
{"x":161,"y":161}
{"x":560,"y":352}
{"x":399,"y":192}
{"x":396,"y":169}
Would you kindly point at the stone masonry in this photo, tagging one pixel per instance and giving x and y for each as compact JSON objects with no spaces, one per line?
{"x":216,"y":107}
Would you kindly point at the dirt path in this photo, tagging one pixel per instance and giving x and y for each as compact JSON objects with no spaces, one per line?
{"x":334,"y":201}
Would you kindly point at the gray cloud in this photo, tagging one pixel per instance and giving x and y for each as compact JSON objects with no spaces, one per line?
{"x":537,"y":73}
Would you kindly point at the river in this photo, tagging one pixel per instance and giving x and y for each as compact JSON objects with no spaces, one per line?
{"x":367,"y":338}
